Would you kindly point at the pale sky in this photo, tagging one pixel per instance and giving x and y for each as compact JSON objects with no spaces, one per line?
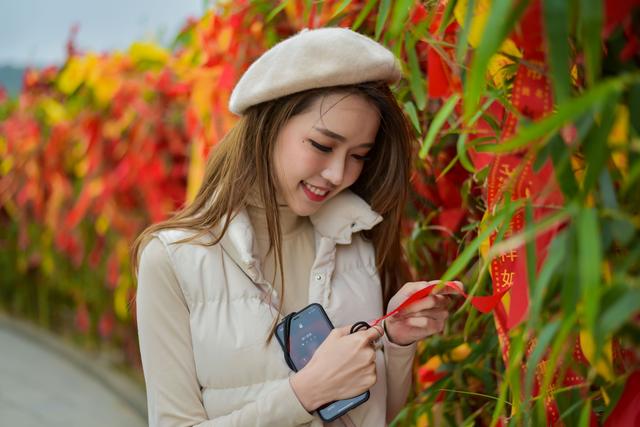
{"x":34,"y":32}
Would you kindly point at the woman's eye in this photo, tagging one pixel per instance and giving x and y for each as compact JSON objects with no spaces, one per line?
{"x":361,"y":158}
{"x":320,"y":147}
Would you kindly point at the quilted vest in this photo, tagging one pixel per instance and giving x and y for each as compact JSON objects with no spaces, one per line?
{"x":232,"y":306}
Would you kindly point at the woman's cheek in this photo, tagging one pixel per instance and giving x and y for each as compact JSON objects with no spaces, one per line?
{"x":353,"y":172}
{"x":309,"y":163}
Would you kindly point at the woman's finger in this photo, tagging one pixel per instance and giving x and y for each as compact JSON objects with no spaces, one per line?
{"x":419,"y":322}
{"x":428,"y":303}
{"x":432,"y":314}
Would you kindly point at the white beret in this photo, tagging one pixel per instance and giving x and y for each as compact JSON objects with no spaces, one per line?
{"x":312,"y":59}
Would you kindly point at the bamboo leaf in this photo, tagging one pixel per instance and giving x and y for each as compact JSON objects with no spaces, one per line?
{"x":461,"y":149}
{"x":366,"y":10}
{"x":383,"y":14}
{"x":276,"y":10}
{"x":413,"y":115}
{"x":619,"y":312}
{"x":552,"y":263}
{"x":634,"y":106}
{"x":471,"y":250}
{"x":561,"y":158}
{"x":446,"y":16}
{"x":585,"y":415}
{"x":591,"y":16}
{"x":462,"y":44}
{"x":340,"y":8}
{"x":542,"y":343}
{"x":596,"y":147}
{"x":559,"y":344}
{"x":437,"y":123}
{"x":556,"y":25}
{"x":589,"y":264}
{"x":399,"y":16}
{"x":416,"y":78}
{"x":503,"y":15}
{"x":568,"y":111}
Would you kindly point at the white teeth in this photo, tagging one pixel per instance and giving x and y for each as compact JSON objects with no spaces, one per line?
{"x":315,"y":190}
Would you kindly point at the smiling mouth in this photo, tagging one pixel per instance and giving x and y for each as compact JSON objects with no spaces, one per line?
{"x":314,"y":193}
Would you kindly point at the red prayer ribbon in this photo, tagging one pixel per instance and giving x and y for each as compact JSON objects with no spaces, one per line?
{"x":484,"y":304}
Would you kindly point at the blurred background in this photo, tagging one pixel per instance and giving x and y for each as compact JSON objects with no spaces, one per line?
{"x":36,"y":32}
{"x":525,"y":187}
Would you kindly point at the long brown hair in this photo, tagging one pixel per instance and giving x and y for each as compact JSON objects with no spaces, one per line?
{"x":243,"y":160}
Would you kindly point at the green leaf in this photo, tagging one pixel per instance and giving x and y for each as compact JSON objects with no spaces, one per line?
{"x":399,"y":16}
{"x":570,"y":295}
{"x":383,"y":14}
{"x":561,"y":158}
{"x":462,"y":44}
{"x":446,"y":16}
{"x":556,"y":25}
{"x":276,"y":10}
{"x":585,"y":415}
{"x":542,"y":343}
{"x":366,"y":10}
{"x":552,"y":263}
{"x":461,"y":149}
{"x":568,"y":111}
{"x":619,"y":312}
{"x":567,"y":324}
{"x":503,"y":215}
{"x":530,"y":247}
{"x":596,"y":147}
{"x":416,"y":79}
{"x":410,"y":109}
{"x":437,"y":123}
{"x":502,"y":17}
{"x":589,"y":265}
{"x":634,"y":106}
{"x":340,"y":8}
{"x":590,"y":23}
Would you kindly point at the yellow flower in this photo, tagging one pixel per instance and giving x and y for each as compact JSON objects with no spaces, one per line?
{"x":53,"y":110}
{"x":604,"y":366}
{"x":76,"y":72}
{"x":147,"y":52}
{"x":498,"y":63}
{"x":619,"y":138}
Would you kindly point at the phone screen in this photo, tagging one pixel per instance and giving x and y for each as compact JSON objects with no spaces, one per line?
{"x":309,"y":328}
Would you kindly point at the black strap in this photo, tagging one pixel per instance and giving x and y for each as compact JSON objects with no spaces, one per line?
{"x":360,"y":326}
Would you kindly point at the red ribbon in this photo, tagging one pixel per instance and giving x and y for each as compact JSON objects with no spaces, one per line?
{"x":484,"y":304}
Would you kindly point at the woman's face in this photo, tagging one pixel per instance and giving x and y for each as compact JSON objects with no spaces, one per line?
{"x":322,"y":151}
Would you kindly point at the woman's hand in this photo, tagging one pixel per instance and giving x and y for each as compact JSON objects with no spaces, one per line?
{"x":343,"y":366}
{"x":420,"y":319}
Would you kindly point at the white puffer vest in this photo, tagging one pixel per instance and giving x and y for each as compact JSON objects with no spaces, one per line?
{"x":231,"y":309}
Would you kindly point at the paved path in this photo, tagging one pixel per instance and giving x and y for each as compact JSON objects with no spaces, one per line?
{"x":44,"y":386}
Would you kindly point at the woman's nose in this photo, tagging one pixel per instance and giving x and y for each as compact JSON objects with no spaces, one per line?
{"x":334,"y":170}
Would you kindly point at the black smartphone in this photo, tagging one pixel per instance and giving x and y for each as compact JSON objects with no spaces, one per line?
{"x":309,"y":328}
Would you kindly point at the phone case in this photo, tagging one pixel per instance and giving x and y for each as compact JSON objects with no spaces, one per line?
{"x":332,"y":410}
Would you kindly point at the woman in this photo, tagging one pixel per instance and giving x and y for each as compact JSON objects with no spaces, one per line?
{"x":301,"y":202}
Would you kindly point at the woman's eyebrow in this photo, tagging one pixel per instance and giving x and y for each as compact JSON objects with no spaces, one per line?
{"x":330,"y":134}
{"x":337,"y":136}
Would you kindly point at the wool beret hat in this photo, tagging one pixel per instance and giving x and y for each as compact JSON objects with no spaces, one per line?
{"x":313,"y":59}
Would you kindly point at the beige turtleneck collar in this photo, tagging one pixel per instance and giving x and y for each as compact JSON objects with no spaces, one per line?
{"x":290,"y":222}
{"x":298,"y":252}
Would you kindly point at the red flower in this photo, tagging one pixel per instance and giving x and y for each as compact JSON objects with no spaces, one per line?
{"x":83,"y":320}
{"x":106,"y":324}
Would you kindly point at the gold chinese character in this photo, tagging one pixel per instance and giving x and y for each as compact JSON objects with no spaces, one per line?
{"x":512,"y":255}
{"x":507,"y":277}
